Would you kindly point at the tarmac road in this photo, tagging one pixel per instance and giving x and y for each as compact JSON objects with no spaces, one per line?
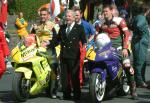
{"x":6,"y":94}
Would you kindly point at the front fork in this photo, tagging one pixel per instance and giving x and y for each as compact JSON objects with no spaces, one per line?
{"x":100,"y":71}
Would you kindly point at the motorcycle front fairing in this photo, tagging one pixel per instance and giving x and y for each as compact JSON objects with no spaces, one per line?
{"x":107,"y":53}
{"x":106,"y":61}
{"x":32,"y":60}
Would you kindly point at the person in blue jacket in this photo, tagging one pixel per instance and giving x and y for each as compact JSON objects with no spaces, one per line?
{"x":88,"y":28}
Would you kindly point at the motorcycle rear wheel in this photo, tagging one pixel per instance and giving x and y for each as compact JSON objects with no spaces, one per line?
{"x":21,"y":87}
{"x":97,"y":88}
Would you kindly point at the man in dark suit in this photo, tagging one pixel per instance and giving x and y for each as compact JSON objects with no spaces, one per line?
{"x":69,"y":36}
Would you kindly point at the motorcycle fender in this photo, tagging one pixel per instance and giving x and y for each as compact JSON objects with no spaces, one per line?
{"x":100,"y":71}
{"x":26,"y":71}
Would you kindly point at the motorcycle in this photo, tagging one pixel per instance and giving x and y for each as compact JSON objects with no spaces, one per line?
{"x":106,"y":73}
{"x":31,"y":69}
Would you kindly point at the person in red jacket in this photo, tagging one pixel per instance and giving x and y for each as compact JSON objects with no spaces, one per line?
{"x":4,"y":50}
{"x":119,"y":34}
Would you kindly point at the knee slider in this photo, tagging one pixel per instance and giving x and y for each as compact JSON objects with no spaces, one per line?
{"x":126,"y":63}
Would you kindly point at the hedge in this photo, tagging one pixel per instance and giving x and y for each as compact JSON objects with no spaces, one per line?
{"x":28,"y":7}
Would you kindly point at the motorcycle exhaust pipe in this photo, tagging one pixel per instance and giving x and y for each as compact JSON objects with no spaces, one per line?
{"x":112,"y":91}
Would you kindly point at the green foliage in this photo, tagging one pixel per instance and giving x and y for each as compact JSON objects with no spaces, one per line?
{"x":28,"y":7}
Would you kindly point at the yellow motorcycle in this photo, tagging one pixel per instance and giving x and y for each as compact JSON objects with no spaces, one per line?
{"x":31,"y":70}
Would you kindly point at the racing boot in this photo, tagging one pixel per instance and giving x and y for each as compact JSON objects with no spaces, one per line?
{"x":53,"y":89}
{"x":133,"y":90}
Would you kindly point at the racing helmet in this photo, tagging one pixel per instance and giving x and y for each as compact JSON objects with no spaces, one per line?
{"x":29,"y":40}
{"x":101,"y":40}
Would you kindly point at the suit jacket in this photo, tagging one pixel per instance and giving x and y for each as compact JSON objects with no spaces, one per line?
{"x":70,"y":44}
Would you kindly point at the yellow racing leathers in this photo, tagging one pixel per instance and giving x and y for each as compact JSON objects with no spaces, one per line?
{"x":46,"y":33}
{"x":21,"y":27}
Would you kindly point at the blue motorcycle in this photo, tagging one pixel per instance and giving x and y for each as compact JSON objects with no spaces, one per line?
{"x":106,"y":72}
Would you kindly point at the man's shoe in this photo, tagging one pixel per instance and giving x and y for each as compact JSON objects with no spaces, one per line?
{"x":53,"y":96}
{"x":134,"y":96}
{"x":76,"y":98}
{"x":143,"y":85}
{"x":65,"y":98}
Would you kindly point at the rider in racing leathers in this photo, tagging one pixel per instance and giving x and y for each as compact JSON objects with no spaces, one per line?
{"x":119,"y":34}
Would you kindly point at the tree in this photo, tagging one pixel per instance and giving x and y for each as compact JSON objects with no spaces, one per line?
{"x":28,"y":7}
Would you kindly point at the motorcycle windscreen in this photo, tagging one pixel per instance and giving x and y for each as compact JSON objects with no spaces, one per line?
{"x":16,"y":54}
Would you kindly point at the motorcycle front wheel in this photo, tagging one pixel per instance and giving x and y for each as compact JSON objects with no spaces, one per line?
{"x":97,"y":88}
{"x":21,"y":87}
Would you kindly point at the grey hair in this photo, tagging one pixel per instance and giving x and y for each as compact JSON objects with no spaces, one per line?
{"x":72,"y":12}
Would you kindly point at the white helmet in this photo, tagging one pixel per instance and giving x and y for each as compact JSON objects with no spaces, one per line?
{"x":101,"y":40}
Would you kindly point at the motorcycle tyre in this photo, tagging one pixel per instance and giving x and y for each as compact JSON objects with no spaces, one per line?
{"x":123,"y":91}
{"x":16,"y":86}
{"x":92,"y":88}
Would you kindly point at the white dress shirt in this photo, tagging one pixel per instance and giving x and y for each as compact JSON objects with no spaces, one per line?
{"x":71,"y":26}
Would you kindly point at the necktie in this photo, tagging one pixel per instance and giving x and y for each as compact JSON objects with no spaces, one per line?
{"x":68,"y":30}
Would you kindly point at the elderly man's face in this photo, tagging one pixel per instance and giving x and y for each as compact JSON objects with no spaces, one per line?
{"x":69,"y":18}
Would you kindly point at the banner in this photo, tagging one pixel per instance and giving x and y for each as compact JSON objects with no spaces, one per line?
{"x":54,"y":8}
